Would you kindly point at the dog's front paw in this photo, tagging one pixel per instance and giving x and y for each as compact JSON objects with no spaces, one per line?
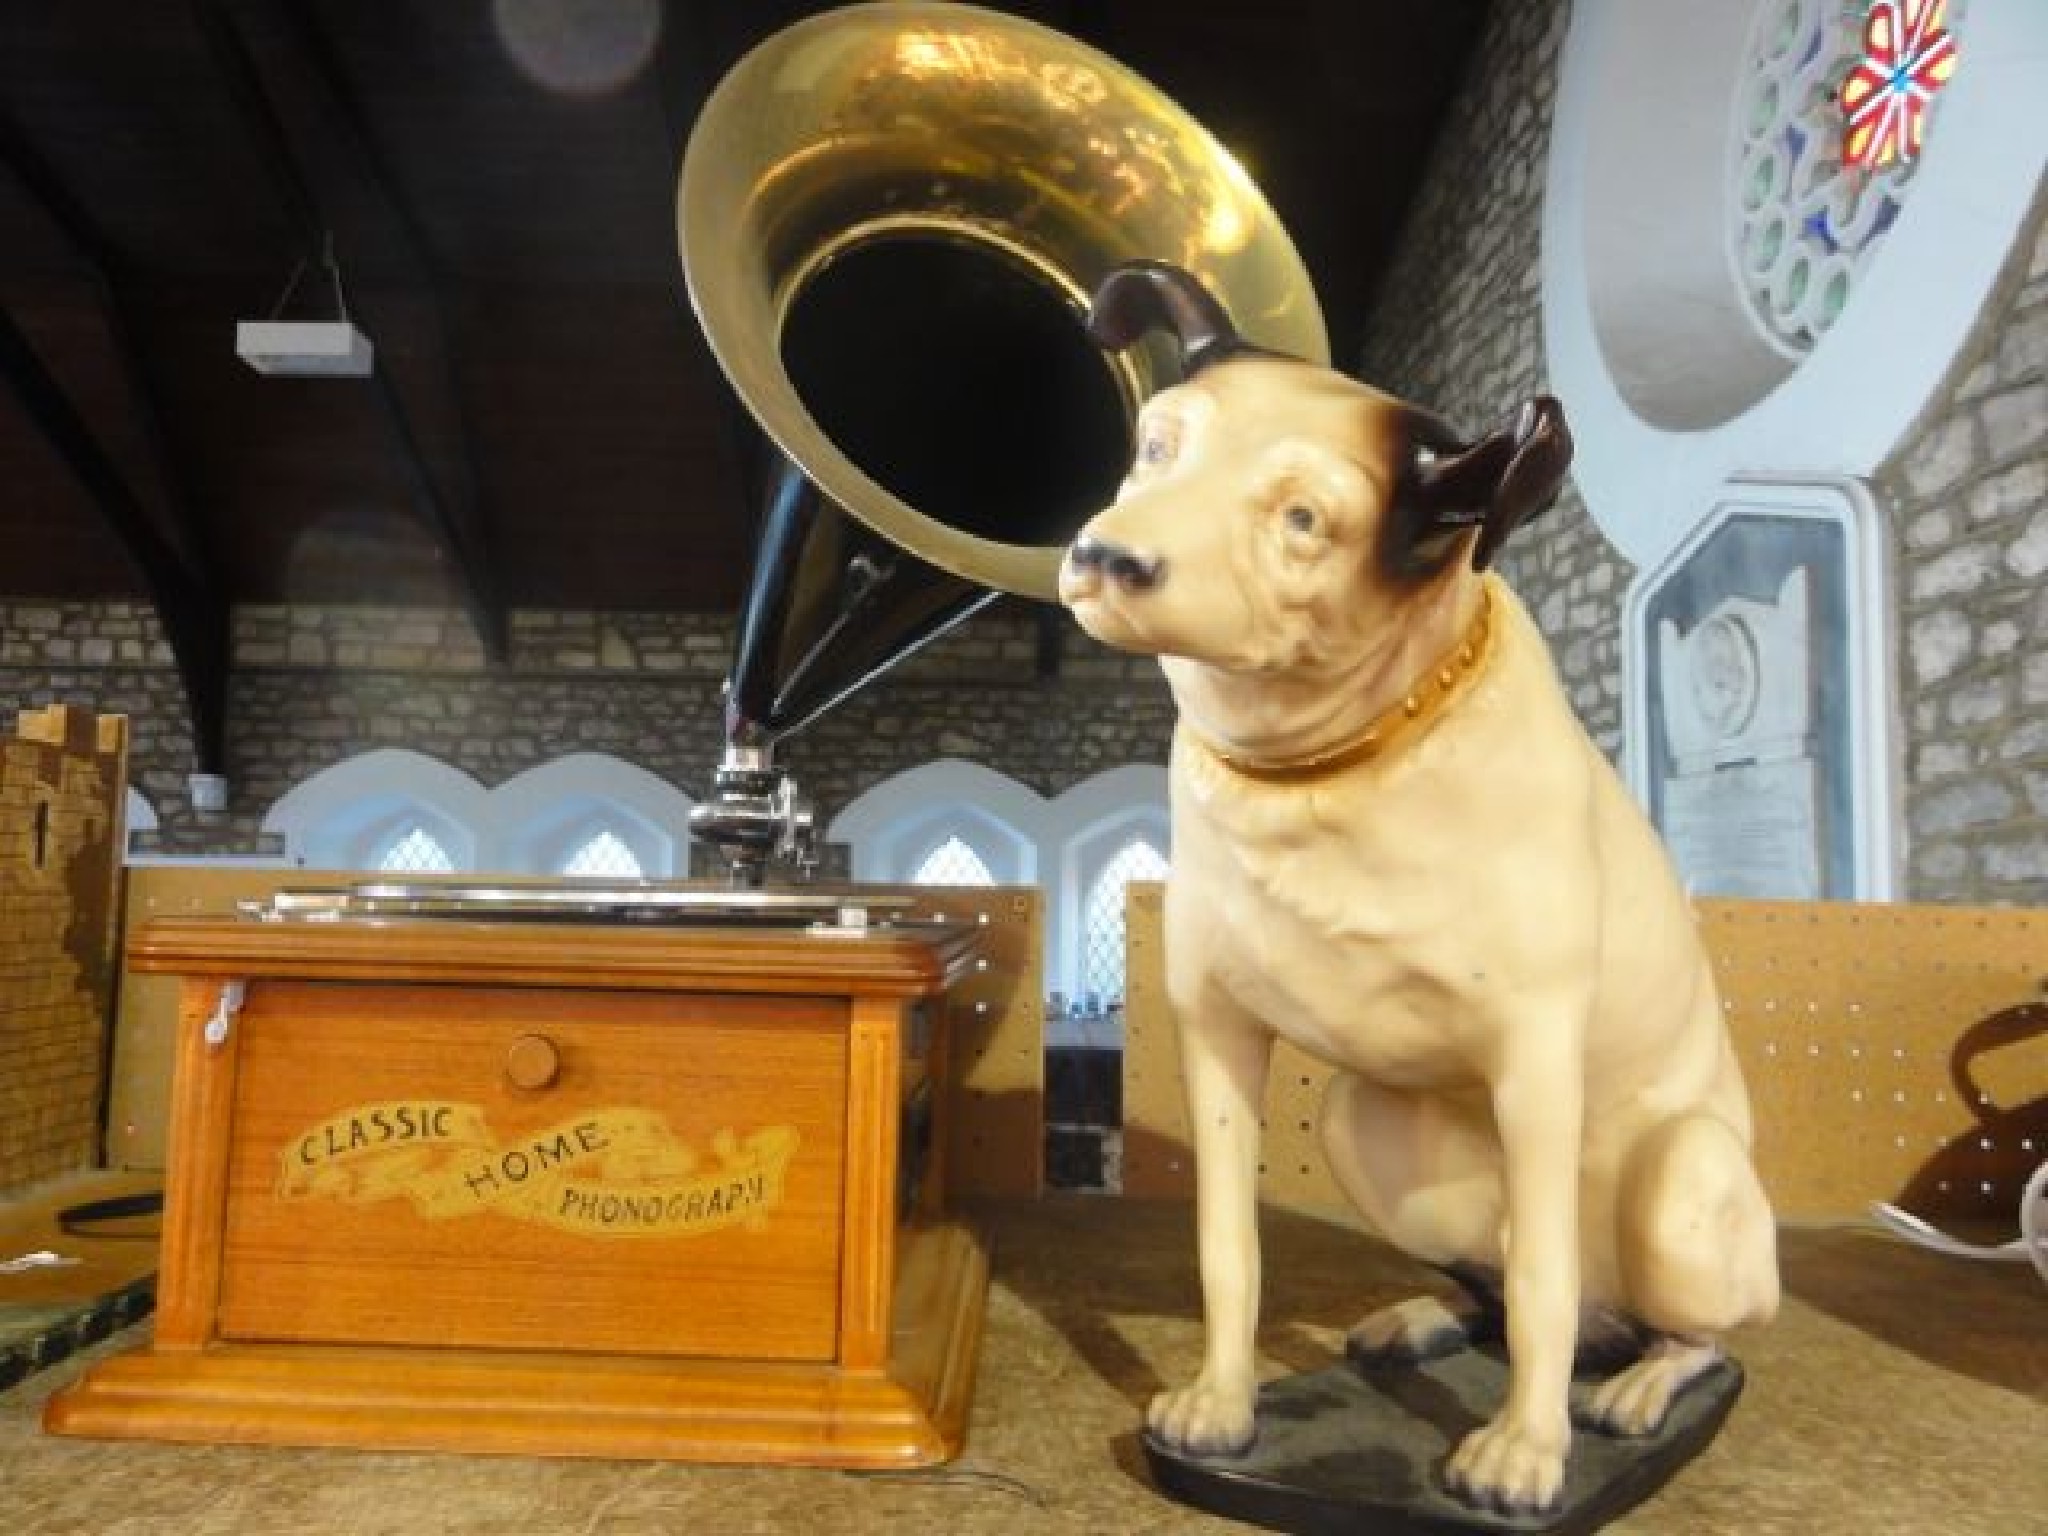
{"x":1202,"y":1419}
{"x":1509,"y":1468}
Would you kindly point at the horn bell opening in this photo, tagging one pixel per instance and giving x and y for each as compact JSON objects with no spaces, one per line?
{"x":891,"y":217}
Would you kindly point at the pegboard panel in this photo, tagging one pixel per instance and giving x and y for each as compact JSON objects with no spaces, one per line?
{"x":1892,"y":1052}
{"x":996,"y":1042}
{"x":1155,"y":1120}
{"x":146,"y":1008}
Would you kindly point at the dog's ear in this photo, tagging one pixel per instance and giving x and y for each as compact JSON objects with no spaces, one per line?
{"x":1448,"y":487}
{"x":1145,"y":295}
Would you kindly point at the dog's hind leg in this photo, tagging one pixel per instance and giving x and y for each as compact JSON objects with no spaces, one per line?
{"x":1430,"y":1327}
{"x":1635,"y":1401}
{"x":1420,"y":1328}
{"x":1698,"y":1257}
{"x":1429,"y":1182}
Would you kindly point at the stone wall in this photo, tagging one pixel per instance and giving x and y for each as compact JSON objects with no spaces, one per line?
{"x":312,"y":686}
{"x":1459,"y":326}
{"x":1968,"y":491}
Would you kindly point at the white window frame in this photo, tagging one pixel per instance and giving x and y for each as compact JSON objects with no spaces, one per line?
{"x":1060,"y":844}
{"x":1087,"y":850}
{"x":538,"y":818}
{"x":581,"y":836}
{"x":946,"y":838}
{"x":380,"y":844}
{"x":1092,"y":865}
{"x":891,"y":828}
{"x":138,"y":815}
{"x":347,"y":815}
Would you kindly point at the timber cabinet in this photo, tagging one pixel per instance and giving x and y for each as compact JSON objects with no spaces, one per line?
{"x":569,"y":1189}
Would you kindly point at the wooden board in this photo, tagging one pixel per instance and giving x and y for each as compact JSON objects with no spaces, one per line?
{"x":508,"y":1227}
{"x":146,"y":1006}
{"x":1893,"y":1052}
{"x":997,"y":1074}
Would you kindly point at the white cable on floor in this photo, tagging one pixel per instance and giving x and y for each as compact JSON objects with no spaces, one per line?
{"x":2031,"y":1245}
{"x":42,"y":1258}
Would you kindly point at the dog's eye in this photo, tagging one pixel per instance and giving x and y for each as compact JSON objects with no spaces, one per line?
{"x":1155,"y":448}
{"x":1301,"y":517}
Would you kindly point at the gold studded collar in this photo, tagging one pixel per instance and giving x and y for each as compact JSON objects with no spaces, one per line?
{"x":1433,"y":693}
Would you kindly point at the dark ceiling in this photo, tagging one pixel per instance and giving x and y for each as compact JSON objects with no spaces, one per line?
{"x":546,"y":427}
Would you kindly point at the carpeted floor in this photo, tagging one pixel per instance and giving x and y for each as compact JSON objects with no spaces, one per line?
{"x":1899,"y":1392}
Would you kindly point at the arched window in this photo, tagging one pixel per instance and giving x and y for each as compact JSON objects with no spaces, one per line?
{"x":362,"y":812}
{"x":1102,"y":921}
{"x":1082,"y":848}
{"x":604,"y":852}
{"x":953,"y":862}
{"x":139,"y":818}
{"x":898,"y":827}
{"x":583,"y":814}
{"x":415,"y":851}
{"x":589,"y":813}
{"x":1096,"y":830}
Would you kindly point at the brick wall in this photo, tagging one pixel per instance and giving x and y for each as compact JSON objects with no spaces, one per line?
{"x":61,"y":783}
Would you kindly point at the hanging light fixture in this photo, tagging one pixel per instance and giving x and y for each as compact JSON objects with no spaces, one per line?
{"x":307,"y":349}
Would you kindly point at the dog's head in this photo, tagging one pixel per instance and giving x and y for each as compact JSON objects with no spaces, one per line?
{"x":1277,"y":513}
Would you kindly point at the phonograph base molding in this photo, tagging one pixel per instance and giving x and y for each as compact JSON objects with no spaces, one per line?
{"x":560,"y":1404}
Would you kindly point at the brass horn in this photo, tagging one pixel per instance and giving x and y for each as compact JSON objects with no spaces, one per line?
{"x":891,"y":218}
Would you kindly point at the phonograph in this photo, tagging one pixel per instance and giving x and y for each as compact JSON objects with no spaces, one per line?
{"x":636,"y":1171}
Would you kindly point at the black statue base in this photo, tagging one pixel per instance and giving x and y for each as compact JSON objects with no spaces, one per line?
{"x":1347,"y":1451}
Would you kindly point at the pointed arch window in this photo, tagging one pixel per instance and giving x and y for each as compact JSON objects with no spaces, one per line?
{"x":1102,"y":919}
{"x":416,"y":851}
{"x":603,"y":854}
{"x":953,"y":862}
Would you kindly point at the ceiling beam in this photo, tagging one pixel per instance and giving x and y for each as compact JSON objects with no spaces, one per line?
{"x":188,"y":604}
{"x":104,"y":267}
{"x":176,"y":561}
{"x":455,"y":527}
{"x":466,"y":532}
{"x":697,"y":44}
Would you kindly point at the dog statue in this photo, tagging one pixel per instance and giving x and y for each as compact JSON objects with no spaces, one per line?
{"x":1395,"y":847}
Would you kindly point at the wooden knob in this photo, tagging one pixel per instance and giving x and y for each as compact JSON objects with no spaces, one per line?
{"x":532,"y":1062}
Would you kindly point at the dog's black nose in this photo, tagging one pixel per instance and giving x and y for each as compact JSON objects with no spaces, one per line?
{"x":1130,"y":569}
